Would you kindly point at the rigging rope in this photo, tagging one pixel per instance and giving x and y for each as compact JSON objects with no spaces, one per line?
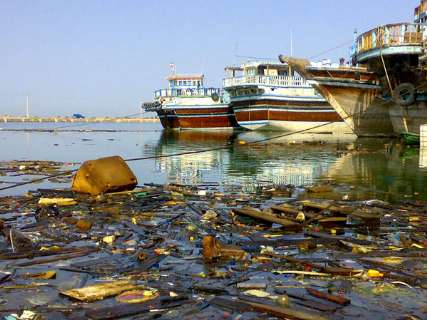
{"x":191,"y":152}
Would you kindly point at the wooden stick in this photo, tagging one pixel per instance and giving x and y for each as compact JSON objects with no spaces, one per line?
{"x":254,"y":213}
{"x":329,"y":297}
{"x":57,"y":258}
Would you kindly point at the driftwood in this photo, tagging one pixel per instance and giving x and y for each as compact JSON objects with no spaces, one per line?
{"x":326,"y":296}
{"x":268,"y":217}
{"x":56,"y":258}
{"x":126,"y":310}
{"x":38,"y":253}
{"x":119,"y":311}
{"x":304,"y":301}
{"x":277,"y":311}
{"x":322,"y":267}
{"x":336,"y":238}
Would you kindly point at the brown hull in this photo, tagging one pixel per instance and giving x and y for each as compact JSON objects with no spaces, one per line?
{"x":284,"y":115}
{"x":408,"y":119}
{"x":278,"y":115}
{"x":210,"y":118}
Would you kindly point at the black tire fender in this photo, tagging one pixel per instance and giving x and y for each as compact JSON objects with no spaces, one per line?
{"x":404,"y":94}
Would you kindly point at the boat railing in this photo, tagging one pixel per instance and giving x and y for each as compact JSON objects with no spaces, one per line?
{"x":402,"y":34}
{"x":151,"y":106}
{"x":187,"y":92}
{"x":280,"y":81}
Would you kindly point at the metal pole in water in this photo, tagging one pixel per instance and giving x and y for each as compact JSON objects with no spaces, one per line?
{"x":28,"y":107}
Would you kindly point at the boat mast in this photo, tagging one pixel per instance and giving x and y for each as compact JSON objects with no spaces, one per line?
{"x":292,"y":51}
{"x":173,"y":68}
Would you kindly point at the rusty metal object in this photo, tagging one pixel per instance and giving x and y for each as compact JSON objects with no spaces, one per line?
{"x":104,"y":175}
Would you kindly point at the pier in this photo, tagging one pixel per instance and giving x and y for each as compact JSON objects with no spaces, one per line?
{"x":8,"y":118}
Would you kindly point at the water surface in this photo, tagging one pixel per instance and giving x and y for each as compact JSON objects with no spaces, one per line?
{"x":382,"y":168}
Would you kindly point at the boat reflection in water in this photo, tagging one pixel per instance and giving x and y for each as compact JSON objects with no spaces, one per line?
{"x":391,"y":173}
{"x":192,"y":168}
{"x":274,"y":162}
{"x":375,"y":168}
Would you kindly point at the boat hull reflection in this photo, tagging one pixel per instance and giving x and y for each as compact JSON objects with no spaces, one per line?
{"x":235,"y":162}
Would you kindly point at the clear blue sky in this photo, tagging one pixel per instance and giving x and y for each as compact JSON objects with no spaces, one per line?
{"x":103,"y":57}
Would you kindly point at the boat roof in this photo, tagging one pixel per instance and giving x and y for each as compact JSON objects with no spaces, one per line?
{"x":256,"y":64}
{"x":185,"y":77}
{"x":275,"y":64}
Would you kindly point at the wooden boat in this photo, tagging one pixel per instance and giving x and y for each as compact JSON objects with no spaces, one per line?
{"x":272,"y":96}
{"x":187,"y":104}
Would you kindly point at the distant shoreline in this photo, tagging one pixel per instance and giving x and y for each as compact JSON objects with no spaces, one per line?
{"x":6,"y":119}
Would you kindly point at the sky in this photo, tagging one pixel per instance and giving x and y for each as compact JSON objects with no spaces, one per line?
{"x":104,"y":57}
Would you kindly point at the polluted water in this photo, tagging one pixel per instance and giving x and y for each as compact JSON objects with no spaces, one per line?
{"x":286,"y":229}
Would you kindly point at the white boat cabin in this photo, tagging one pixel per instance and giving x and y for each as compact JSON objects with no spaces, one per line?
{"x":186,"y":85}
{"x":262,"y":73}
{"x":266,"y":79}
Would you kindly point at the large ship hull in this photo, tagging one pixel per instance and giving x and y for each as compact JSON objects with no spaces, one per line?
{"x":361,"y":108}
{"x":409,"y":118}
{"x":197,"y":117}
{"x":286,"y":115}
{"x":354,"y":93}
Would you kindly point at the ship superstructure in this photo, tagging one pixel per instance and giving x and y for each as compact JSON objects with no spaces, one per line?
{"x":188,"y":104}
{"x":267,"y":95}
